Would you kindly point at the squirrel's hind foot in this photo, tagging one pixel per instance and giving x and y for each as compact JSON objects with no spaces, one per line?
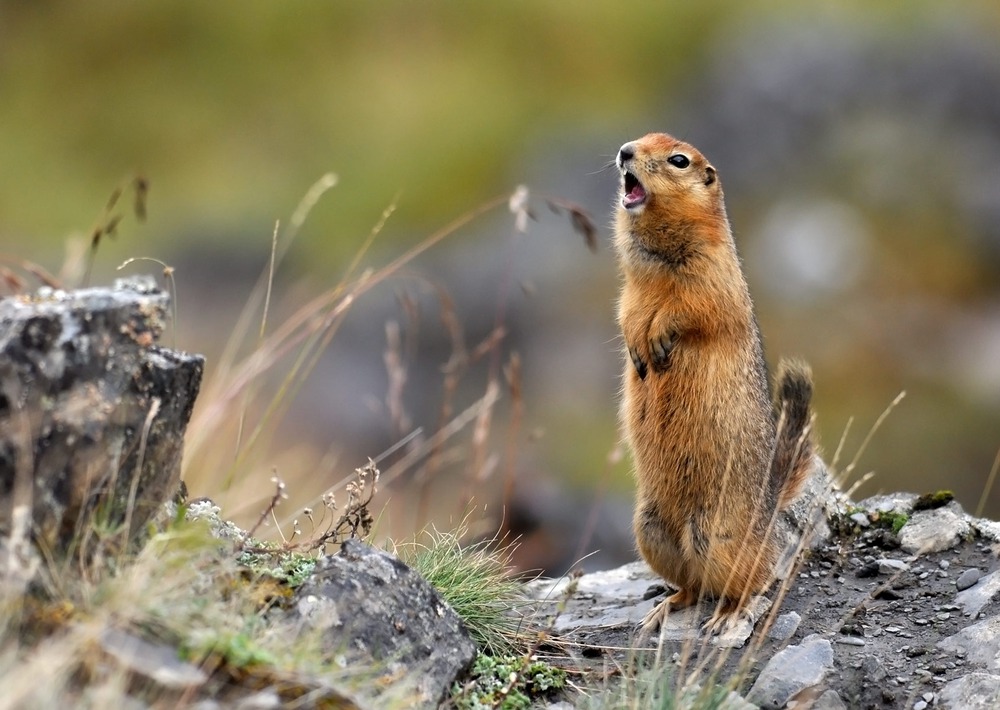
{"x":727,"y":614}
{"x":652,"y":622}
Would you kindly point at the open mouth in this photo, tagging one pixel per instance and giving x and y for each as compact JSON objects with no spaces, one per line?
{"x":633,"y":192}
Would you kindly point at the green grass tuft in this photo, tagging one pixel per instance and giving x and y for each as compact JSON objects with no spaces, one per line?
{"x":655,"y":687}
{"x":474,"y":580}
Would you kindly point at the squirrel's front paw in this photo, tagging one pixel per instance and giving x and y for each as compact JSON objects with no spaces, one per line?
{"x":660,"y":349}
{"x":637,"y":361}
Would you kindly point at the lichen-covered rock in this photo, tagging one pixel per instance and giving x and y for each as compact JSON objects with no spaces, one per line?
{"x":369,"y":605}
{"x":92,"y":411}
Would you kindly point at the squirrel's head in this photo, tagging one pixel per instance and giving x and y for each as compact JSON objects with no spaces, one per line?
{"x":667,"y":176}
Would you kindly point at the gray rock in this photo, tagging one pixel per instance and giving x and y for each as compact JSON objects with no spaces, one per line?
{"x":829,"y":700}
{"x":967,"y":579}
{"x":737,"y":634}
{"x":617,"y":597}
{"x":92,"y":411}
{"x":890,"y":503}
{"x":989,"y":529}
{"x":792,"y":670}
{"x":611,"y":597}
{"x":849,"y":641}
{"x":734,"y":701}
{"x":784,"y":626}
{"x":807,"y":515}
{"x":975,"y":691}
{"x":205,"y":705}
{"x":262,"y":700}
{"x":155,"y":662}
{"x":861,"y":519}
{"x":934,"y":530}
{"x":19,"y":560}
{"x":871,"y":673}
{"x":890,"y":566}
{"x":973,"y":599}
{"x":979,"y":643}
{"x":371,"y":607}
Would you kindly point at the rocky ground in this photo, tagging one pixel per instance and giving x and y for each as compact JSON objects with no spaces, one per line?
{"x":892,"y":604}
{"x":895,"y":609}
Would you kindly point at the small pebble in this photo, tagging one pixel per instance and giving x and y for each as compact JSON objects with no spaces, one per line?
{"x":929,"y":697}
{"x":861,"y":519}
{"x":968,"y":578}
{"x":920,"y":705}
{"x":849,"y":641}
{"x":944,"y":564}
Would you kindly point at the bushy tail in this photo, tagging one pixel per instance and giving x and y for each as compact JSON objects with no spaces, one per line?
{"x":793,"y":446}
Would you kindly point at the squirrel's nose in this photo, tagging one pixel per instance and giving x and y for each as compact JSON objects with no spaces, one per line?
{"x":627,"y":152}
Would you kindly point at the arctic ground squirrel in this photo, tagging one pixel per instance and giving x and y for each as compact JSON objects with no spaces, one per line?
{"x":715,"y":460}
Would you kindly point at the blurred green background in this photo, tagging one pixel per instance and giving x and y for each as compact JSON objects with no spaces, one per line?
{"x":859,"y":148}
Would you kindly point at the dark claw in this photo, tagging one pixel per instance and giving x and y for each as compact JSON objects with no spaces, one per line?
{"x":660,"y":349}
{"x":640,"y":366}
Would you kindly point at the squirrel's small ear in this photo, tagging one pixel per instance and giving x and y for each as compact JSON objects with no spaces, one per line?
{"x":709,"y":175}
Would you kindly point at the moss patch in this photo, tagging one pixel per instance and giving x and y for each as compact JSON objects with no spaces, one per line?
{"x":930,"y":501}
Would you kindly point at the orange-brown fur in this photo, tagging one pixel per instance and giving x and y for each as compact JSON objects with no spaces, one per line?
{"x":713,"y":459}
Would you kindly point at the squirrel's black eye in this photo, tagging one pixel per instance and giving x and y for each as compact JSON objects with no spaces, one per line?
{"x":679,"y":160}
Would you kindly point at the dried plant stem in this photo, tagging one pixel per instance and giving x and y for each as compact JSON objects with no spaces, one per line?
{"x":279,"y":493}
{"x":242,"y":327}
{"x":513,"y":375}
{"x":444,"y":433}
{"x":154,"y":409}
{"x":989,"y":485}
{"x":306,"y":323}
{"x":871,"y":432}
{"x":260,"y":338}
